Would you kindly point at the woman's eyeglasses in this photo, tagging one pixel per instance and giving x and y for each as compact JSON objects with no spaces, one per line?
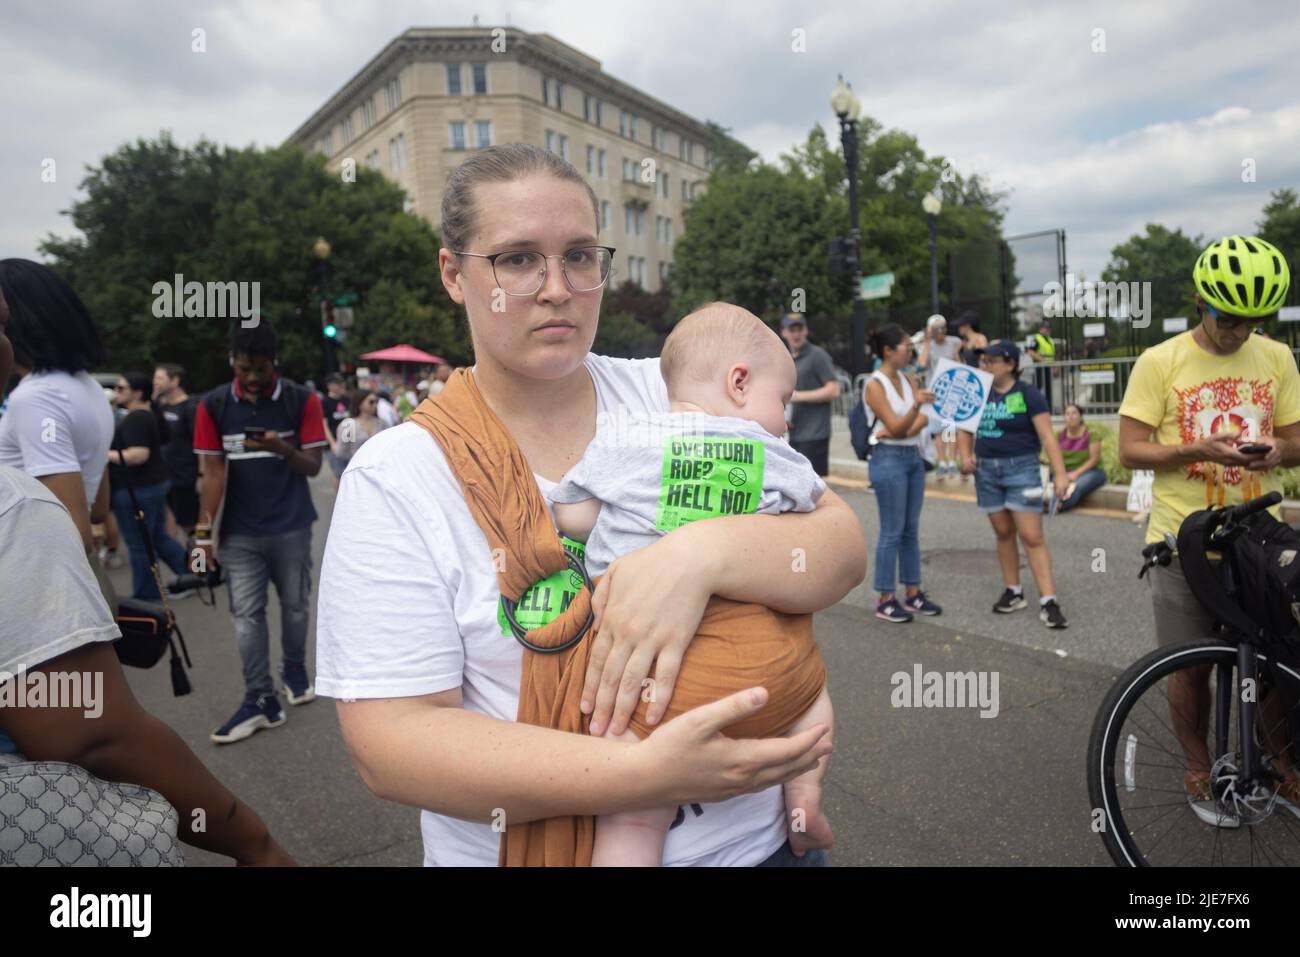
{"x":523,"y":272}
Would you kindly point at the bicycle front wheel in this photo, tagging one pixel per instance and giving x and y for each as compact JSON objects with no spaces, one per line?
{"x":1165,"y":770}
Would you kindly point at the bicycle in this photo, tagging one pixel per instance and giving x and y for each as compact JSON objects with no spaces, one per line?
{"x":1140,"y":778}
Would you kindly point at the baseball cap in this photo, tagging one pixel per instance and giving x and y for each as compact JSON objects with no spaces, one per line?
{"x":792,"y":319}
{"x":936,"y":320}
{"x":1003,"y":348}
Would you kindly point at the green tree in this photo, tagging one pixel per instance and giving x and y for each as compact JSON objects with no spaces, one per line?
{"x":1164,"y":258}
{"x":1280,"y":225}
{"x":154,"y":209}
{"x":758,"y":235}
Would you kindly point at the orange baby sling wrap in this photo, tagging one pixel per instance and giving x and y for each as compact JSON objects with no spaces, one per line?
{"x":738,"y":645}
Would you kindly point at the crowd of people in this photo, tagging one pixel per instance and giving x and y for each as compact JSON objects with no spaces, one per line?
{"x":215,"y":487}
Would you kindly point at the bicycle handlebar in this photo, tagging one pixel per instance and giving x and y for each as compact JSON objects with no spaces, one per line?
{"x":1241,"y":512}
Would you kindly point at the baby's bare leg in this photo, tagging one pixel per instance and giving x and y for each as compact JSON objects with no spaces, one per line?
{"x":631,"y":838}
{"x":807,"y":825}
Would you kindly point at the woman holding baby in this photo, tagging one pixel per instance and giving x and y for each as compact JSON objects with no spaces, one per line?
{"x":427,"y":676}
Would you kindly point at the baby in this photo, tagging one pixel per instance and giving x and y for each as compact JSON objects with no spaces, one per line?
{"x":717,"y":452}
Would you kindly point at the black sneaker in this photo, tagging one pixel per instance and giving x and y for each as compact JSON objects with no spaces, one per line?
{"x":891,"y":610}
{"x":1010,"y":602}
{"x":921,"y":605}
{"x":252,"y":716}
{"x":1050,"y":615}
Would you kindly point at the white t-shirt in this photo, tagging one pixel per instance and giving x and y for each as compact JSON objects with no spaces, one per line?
{"x":55,"y":423}
{"x":402,"y":541}
{"x":53,"y":604}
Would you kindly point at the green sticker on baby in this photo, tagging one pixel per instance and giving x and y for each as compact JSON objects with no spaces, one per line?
{"x":546,"y":600}
{"x":705,"y":478}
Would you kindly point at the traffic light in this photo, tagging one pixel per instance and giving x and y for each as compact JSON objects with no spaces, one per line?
{"x":841,"y":252}
{"x":327,"y":324}
{"x":330,"y":331}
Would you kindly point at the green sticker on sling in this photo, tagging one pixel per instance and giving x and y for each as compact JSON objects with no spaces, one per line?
{"x":705,"y":478}
{"x":1015,"y":402}
{"x":546,"y":600}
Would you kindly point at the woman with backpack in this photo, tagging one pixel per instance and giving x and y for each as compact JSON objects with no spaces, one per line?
{"x":136,"y":467}
{"x":897,"y":476}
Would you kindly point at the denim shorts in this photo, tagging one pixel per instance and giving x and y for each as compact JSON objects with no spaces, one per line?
{"x":1000,"y":484}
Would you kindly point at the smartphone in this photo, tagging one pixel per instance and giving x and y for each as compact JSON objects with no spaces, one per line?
{"x":255,"y":432}
{"x":1254,"y":448}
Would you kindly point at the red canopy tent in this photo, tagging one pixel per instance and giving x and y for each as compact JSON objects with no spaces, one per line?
{"x":404,"y":353}
{"x":390,"y":371}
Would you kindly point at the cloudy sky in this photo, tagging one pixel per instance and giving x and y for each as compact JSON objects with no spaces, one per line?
{"x":1155,"y":127}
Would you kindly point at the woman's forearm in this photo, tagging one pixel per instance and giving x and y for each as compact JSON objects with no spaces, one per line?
{"x":468,"y":765}
{"x":796,"y":563}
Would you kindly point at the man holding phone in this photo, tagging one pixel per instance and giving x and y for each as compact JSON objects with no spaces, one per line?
{"x":261,"y":437}
{"x":1223,"y":407}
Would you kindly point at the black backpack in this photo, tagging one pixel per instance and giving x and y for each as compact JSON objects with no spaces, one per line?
{"x":295,"y":396}
{"x":1254,"y":593}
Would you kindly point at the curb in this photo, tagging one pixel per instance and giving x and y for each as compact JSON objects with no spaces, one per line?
{"x":1109,"y":500}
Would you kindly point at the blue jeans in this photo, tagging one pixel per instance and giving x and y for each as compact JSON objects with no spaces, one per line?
{"x":153,"y":502}
{"x":784,"y":857}
{"x":250,"y":562}
{"x":1089,"y":481}
{"x":898,"y":479}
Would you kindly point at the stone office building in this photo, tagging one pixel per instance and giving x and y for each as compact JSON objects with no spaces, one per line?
{"x":433,"y":94}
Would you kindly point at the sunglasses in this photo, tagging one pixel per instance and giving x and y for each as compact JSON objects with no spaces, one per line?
{"x":121,"y":388}
{"x":1232,"y":322}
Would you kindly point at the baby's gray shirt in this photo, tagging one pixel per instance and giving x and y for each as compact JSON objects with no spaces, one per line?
{"x":654,"y":471}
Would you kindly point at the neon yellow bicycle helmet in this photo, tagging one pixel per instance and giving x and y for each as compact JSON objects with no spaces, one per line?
{"x":1243,"y":276}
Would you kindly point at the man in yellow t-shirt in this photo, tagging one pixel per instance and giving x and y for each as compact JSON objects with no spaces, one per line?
{"x":1200,"y":395}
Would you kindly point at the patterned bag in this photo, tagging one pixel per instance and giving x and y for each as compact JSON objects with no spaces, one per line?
{"x":53,"y":813}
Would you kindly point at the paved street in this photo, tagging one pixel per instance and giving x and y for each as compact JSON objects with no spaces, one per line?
{"x":907,"y":786}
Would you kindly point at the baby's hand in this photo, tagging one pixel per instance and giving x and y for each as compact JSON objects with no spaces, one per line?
{"x":806,"y":825}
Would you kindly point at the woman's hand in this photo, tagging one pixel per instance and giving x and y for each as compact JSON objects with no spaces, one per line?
{"x":1063,"y":483}
{"x":696,"y":762}
{"x":922,"y":396}
{"x":647,"y":608}
{"x":967,"y":465}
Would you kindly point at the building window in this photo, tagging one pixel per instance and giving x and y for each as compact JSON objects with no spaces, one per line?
{"x":550,"y":141}
{"x":659,"y":138}
{"x":690,"y":152}
{"x":663,"y":272}
{"x":453,"y":79}
{"x":600,"y":164}
{"x":681,"y":148}
{"x":604,"y":214}
{"x":564,"y":147}
{"x":599,"y":114}
{"x":546,"y":90}
{"x":367,"y":113}
{"x":622,"y":123}
{"x":631,"y":126}
{"x":627,"y":219}
{"x":659,"y":228}
{"x":665,"y":192}
{"x":457,"y":135}
{"x":586,"y":107}
{"x":640,"y":219}
{"x":479,"y":71}
{"x":559,"y":95}
{"x":685,"y":196}
{"x":392,"y":153}
{"x":327,"y":143}
{"x":482,"y":133}
{"x":347,"y":129}
{"x":591,"y":159}
{"x":372,"y":159}
{"x":392,"y":95}
{"x":627,"y":170}
{"x":668,"y":230}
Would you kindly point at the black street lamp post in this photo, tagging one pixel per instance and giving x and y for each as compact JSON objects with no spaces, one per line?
{"x":932,"y":204}
{"x":846,"y":106}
